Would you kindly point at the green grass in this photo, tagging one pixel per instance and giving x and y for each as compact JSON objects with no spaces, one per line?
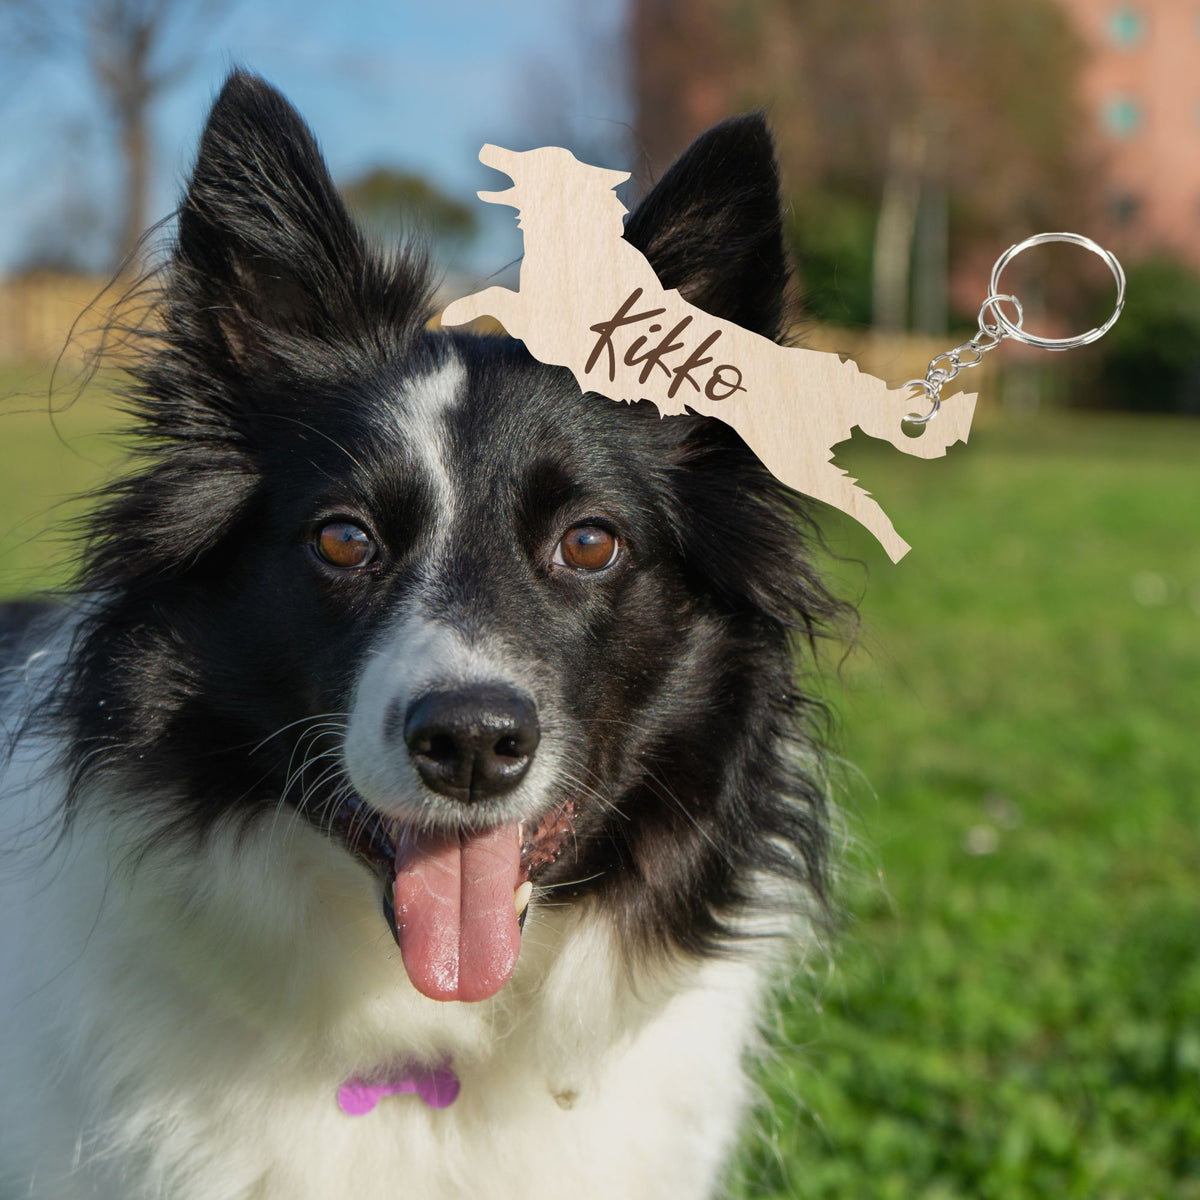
{"x":1014,"y":1007}
{"x":53,"y":446}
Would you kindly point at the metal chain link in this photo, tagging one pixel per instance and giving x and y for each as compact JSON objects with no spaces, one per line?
{"x":990,"y":335}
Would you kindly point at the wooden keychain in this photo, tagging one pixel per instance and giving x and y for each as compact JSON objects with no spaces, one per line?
{"x":590,"y":301}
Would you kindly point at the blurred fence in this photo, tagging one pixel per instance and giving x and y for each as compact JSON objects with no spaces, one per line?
{"x":43,"y":317}
{"x":47,"y":317}
{"x":897,"y":357}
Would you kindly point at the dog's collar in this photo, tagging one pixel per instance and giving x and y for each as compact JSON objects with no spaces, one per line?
{"x":437,"y":1086}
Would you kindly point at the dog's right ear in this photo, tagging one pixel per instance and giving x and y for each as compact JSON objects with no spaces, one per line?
{"x":266,"y":248}
{"x":712,"y":226}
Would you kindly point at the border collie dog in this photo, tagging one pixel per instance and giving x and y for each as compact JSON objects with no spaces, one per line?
{"x":415,"y":797}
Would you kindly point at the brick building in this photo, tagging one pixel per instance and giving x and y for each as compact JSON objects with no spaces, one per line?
{"x":1142,"y":88}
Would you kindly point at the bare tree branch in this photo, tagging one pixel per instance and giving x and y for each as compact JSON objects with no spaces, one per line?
{"x":127,"y":46}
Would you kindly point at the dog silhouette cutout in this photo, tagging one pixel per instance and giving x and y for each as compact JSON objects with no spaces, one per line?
{"x":590,"y":301}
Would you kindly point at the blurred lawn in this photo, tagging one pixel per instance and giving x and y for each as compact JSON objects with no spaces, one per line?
{"x":1015,"y":1006}
{"x":53,"y":445}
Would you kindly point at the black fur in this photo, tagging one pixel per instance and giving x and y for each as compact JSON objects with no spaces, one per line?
{"x":713,"y":228}
{"x":214,"y":635}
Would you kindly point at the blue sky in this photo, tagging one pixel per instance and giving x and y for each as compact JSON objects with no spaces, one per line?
{"x":414,"y":85}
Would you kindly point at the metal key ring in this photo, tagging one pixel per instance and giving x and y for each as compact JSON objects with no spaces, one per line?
{"x":1066,"y":343}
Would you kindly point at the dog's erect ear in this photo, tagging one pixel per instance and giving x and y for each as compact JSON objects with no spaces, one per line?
{"x":266,"y":246}
{"x":712,"y":226}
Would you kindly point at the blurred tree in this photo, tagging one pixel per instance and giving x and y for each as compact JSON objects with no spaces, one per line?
{"x":682,"y":71}
{"x":136,"y":52}
{"x":1150,"y":360}
{"x":389,"y":202}
{"x":833,"y":235}
{"x":942,"y":114}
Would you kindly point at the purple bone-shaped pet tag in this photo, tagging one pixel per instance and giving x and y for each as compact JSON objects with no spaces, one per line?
{"x":437,"y":1086}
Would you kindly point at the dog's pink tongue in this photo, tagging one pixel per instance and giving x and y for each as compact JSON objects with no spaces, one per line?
{"x":455,"y":916}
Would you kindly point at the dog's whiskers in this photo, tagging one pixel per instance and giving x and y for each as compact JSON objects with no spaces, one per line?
{"x":332,"y":722}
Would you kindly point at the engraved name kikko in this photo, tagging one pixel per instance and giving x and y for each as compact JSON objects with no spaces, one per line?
{"x":723,"y":380}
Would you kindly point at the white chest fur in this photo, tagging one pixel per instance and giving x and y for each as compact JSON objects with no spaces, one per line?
{"x":178,"y":1027}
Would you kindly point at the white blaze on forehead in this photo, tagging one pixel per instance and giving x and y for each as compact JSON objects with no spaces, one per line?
{"x":421,"y":414}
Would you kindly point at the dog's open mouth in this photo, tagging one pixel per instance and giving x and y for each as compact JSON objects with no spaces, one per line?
{"x":455,"y":902}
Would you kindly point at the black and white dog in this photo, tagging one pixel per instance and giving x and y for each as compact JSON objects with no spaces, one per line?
{"x":409,"y":801}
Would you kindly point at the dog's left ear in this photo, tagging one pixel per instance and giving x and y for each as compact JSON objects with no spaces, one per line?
{"x":712,"y":226}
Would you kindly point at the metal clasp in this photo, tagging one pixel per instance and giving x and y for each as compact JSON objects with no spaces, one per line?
{"x":946,"y":366}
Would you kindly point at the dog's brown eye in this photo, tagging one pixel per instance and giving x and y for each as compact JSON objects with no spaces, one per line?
{"x":344,"y":544}
{"x":587,"y":548}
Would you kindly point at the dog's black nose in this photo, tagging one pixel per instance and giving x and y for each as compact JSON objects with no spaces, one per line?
{"x":472,"y":743}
